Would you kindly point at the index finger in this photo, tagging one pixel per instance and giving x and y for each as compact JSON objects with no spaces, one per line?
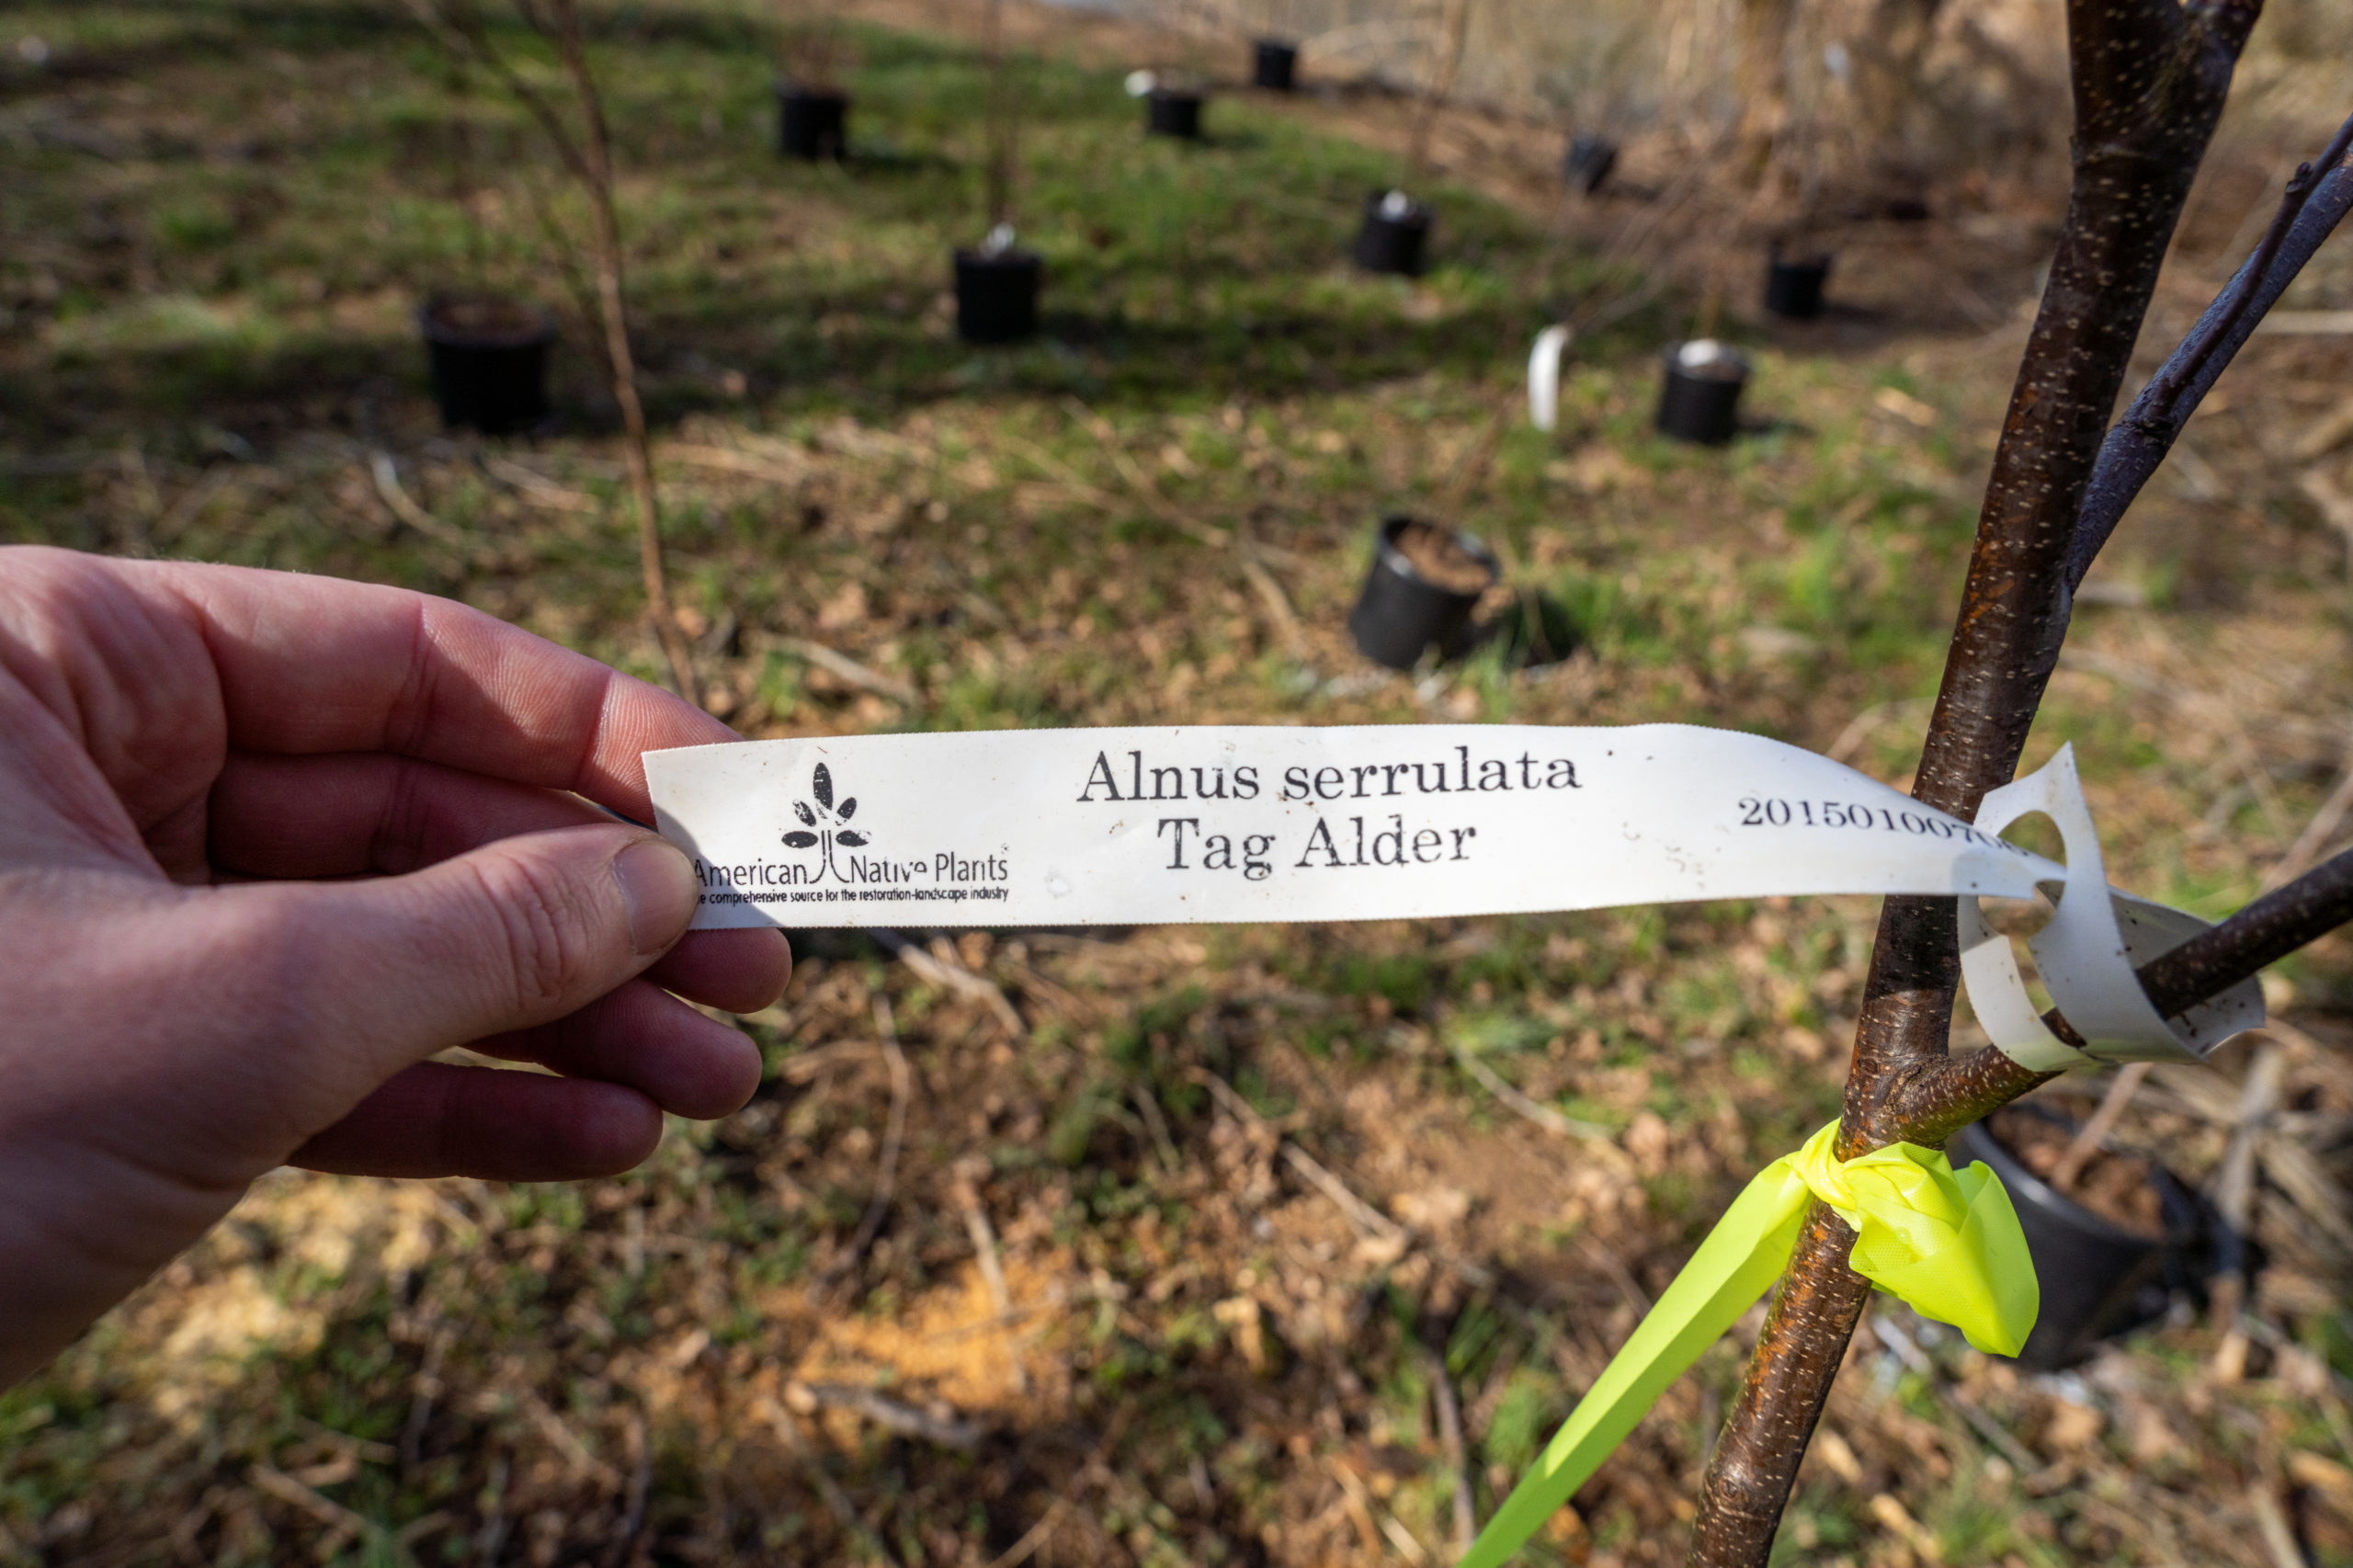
{"x":309,"y":665}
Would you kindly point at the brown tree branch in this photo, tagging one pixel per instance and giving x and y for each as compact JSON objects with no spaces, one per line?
{"x":587,"y":157}
{"x":2151,"y":77}
{"x":2310,"y":209}
{"x":1943,"y":1095}
{"x":597,"y":154}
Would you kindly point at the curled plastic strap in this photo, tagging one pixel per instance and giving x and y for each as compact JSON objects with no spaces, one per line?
{"x":1946,"y":1241}
{"x":2087,"y":952}
{"x":1544,"y":376}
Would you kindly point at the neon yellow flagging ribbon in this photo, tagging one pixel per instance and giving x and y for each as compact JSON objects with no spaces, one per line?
{"x":1947,"y":1242}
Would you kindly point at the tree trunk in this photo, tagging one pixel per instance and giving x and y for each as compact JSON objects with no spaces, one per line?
{"x":2150,"y":80}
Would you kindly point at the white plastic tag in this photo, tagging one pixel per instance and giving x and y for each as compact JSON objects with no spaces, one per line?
{"x":1133,"y":826}
{"x":1544,"y":376}
{"x":2087,"y":951}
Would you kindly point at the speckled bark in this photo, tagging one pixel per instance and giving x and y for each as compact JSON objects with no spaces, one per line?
{"x":2150,"y":78}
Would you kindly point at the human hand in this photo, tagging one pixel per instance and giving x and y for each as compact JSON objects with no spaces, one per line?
{"x":268,"y":842}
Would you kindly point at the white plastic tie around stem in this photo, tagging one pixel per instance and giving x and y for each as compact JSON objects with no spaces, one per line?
{"x":2087,"y":952}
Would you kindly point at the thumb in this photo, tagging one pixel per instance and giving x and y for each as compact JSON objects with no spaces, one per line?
{"x":517,"y":933}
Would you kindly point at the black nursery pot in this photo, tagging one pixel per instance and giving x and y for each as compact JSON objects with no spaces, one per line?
{"x":812,"y":122}
{"x":2097,"y":1280}
{"x":1402,"y":614}
{"x":1275,"y":65}
{"x":1793,"y":286}
{"x":1700,"y":399}
{"x":489,"y":363}
{"x":1392,"y":242}
{"x":996,"y":295}
{"x":1589,"y":161}
{"x":1168,"y":113}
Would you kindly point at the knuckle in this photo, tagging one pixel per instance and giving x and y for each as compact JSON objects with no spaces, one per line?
{"x":543,"y":933}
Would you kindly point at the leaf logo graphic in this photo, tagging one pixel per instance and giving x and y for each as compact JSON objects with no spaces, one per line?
{"x":822,"y":823}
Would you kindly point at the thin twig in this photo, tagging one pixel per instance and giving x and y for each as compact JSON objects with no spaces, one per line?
{"x":2090,"y":1137}
{"x":2318,"y":196}
{"x":2234,"y":1197}
{"x":836,"y":1501}
{"x":1033,"y":1538}
{"x":1368,"y":1220}
{"x":1454,"y":31}
{"x":843,"y":667}
{"x":953,"y":977}
{"x":2336,"y":509}
{"x":641,"y":1487}
{"x":891,"y":1414}
{"x":2271,"y":1523}
{"x":403,"y":506}
{"x":2317,"y":834}
{"x":1021,"y":1551}
{"x":1359,"y":1504}
{"x":1147,"y":1106}
{"x":886,"y":1174}
{"x":605,"y":226}
{"x":1892,"y":1336}
{"x":587,"y":157}
{"x":1449,"y":1433}
{"x":984,"y":1235}
{"x":2262,"y":933}
{"x":1542,"y":1115}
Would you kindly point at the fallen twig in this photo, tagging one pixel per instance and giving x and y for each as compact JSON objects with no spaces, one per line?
{"x":836,"y":1501}
{"x":984,"y":1235}
{"x":1358,"y":1503}
{"x":2325,"y":434}
{"x":886,"y":1176}
{"x":1141,"y":488}
{"x":1449,"y":1432}
{"x":191,"y":503}
{"x":1969,"y":1410}
{"x":843,"y":667}
{"x":892,"y":1415}
{"x":1542,"y":1115}
{"x":808,"y":1065}
{"x":728,"y":459}
{"x":954,"y":977}
{"x":2233,"y":1195}
{"x":2270,"y":1519}
{"x":1270,"y":594}
{"x":559,"y":1432}
{"x":2318,"y":833}
{"x":404,"y":506}
{"x":2094,"y":1130}
{"x":1368,"y":1220}
{"x":1033,"y":1538}
{"x":286,"y":1489}
{"x":1148,"y":1107}
{"x":641,"y":1487}
{"x":539,"y":490}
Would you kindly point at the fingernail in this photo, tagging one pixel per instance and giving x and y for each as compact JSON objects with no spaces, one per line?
{"x":659,"y":889}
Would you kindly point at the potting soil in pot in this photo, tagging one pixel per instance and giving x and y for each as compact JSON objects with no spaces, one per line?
{"x":1439,"y":558}
{"x":2115,"y":1186}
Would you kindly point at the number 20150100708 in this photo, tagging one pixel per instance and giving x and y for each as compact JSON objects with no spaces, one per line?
{"x":1756,"y":811}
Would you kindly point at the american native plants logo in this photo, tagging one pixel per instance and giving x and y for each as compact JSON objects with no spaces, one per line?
{"x":821,"y":825}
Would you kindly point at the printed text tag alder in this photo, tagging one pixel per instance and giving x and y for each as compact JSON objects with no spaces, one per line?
{"x":1133,"y":826}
